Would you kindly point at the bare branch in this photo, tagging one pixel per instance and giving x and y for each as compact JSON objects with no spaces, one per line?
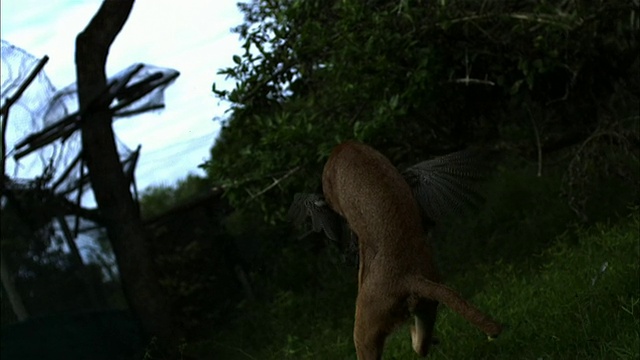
{"x":276,"y":182}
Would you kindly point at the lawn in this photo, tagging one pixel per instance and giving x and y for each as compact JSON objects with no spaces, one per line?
{"x":578,"y":298}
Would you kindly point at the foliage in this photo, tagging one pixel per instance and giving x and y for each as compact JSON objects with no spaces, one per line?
{"x":414,"y":78}
{"x":605,"y":166}
{"x":521,"y":215}
{"x":553,"y":85}
{"x":36,"y":254}
{"x":98,"y":335}
{"x":157,"y":199}
{"x":307,"y":305}
{"x":194,"y":256}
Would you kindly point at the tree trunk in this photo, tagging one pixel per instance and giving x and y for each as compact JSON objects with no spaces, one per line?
{"x":92,"y":284}
{"x":14,"y":297}
{"x":110,"y":187}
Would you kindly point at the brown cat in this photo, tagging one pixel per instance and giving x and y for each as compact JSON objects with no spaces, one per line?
{"x":397,"y":275}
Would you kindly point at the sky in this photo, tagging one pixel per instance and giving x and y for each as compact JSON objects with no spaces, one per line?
{"x":191,"y":36}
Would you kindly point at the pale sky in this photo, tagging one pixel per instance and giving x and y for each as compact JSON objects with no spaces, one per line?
{"x":191,"y":36}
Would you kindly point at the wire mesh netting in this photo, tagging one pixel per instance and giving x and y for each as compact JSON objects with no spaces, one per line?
{"x":42,"y":134}
{"x":28,"y":112}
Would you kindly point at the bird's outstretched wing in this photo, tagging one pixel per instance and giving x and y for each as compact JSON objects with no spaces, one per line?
{"x":446,"y":184}
{"x":441,"y":186}
{"x":322,"y":217}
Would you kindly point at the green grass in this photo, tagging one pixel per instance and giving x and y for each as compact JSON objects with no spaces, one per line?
{"x":563,"y":304}
{"x":559,"y":303}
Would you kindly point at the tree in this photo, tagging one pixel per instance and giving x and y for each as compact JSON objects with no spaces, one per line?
{"x":14,"y":296}
{"x":111,"y":189}
{"x":415,"y":79}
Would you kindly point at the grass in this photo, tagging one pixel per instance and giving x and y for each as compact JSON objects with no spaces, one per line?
{"x":564,"y":291}
{"x":577,"y":299}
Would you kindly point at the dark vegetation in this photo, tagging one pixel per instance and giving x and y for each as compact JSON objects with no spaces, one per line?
{"x":549,"y":89}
